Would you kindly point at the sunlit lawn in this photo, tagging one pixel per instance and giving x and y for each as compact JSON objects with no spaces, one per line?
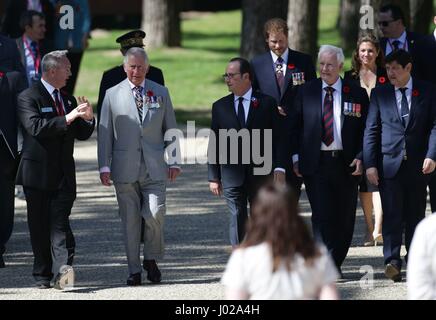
{"x":192,"y":73}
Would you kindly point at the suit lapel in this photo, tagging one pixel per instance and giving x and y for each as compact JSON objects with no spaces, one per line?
{"x":232,"y":111}
{"x":251,"y":110}
{"x":392,"y":101}
{"x":269,"y":72}
{"x":47,"y":99}
{"x":416,"y":99}
{"x":288,"y":74}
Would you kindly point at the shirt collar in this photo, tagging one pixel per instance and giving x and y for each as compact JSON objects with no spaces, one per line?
{"x":132,"y":86}
{"x":409,"y":85}
{"x":48,"y":86}
{"x":246,"y":96}
{"x":434,"y":34}
{"x":337,"y":85}
{"x":402,"y":38}
{"x":284,"y":56}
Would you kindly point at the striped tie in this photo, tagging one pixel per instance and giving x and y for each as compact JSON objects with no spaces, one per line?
{"x":137,"y":91}
{"x":327,"y":117}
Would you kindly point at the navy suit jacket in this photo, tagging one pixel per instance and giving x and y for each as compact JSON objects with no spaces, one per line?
{"x":9,"y":56}
{"x":11,"y":84}
{"x":425,"y":62}
{"x":411,"y":38}
{"x":263,"y":116}
{"x":307,"y":124}
{"x":265,"y":78}
{"x":385,"y":135}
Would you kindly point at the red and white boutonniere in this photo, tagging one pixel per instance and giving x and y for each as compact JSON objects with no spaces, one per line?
{"x":254,"y":102}
{"x":382,"y":80}
{"x":415,"y":93}
{"x":149,"y":93}
{"x":291,"y":66}
{"x":346,"y":89}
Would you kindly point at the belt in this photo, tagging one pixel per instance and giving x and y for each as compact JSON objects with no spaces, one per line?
{"x":331,"y":153}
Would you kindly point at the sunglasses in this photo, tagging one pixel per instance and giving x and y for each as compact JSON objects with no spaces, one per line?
{"x":385,"y":23}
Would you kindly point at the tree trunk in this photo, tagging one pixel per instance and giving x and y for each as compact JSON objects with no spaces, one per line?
{"x":421,"y":14}
{"x":348,"y":28}
{"x":254,"y":15}
{"x":161,"y":23}
{"x":303,"y":29}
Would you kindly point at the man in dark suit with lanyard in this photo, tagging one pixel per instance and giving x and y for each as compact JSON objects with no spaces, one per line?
{"x":425,"y":69}
{"x":400,"y":152}
{"x":51,"y":121}
{"x":243,"y":111}
{"x":278,"y":73}
{"x":115,"y":75}
{"x":11,"y":84}
{"x":328,"y":128}
{"x":393,"y":27}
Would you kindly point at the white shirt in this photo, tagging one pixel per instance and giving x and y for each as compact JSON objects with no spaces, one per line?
{"x":434,"y":34}
{"x":246,"y":103}
{"x":399,"y":95}
{"x":31,"y":72}
{"x":250,"y":270}
{"x":421,"y":265}
{"x":132,"y":86}
{"x":284,"y":57}
{"x":50,"y":89}
{"x":403,"y":43}
{"x":337,"y":115}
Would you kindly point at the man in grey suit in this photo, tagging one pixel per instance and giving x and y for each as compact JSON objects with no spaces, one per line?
{"x":135,"y":115}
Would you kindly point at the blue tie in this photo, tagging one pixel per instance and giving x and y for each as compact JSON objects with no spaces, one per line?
{"x":241,"y":112}
{"x":404,"y":108}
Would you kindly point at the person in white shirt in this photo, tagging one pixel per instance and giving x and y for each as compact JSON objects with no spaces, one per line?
{"x":278,"y":258}
{"x":421,"y":268}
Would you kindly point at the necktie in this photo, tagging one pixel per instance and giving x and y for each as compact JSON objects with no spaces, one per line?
{"x":278,"y":65}
{"x":404,"y":108}
{"x":327,"y":117}
{"x":137,"y":91}
{"x":59,"y":109}
{"x":396,"y":45}
{"x":241,"y":112}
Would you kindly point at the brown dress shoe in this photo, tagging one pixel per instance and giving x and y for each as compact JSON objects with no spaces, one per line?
{"x":153,"y":272}
{"x":393,"y":272}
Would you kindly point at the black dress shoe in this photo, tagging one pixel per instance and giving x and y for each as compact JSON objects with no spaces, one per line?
{"x":393,"y":272}
{"x":153,"y":272}
{"x":134,"y":279}
{"x":2,"y":262}
{"x":43,"y":284}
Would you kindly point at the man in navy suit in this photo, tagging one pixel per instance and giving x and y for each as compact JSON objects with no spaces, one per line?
{"x":425,"y":69}
{"x":395,"y":36}
{"x":328,"y":127}
{"x":244,"y":112}
{"x":278,"y":73}
{"x":400,"y":153}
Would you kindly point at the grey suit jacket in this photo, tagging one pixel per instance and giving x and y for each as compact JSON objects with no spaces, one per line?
{"x":121,"y":136}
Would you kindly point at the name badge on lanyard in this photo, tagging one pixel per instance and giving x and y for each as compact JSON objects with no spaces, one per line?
{"x":36,"y":59}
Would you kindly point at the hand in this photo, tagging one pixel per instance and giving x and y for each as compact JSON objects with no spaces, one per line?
{"x":359,"y":169}
{"x":216,"y":188}
{"x":372,"y":175}
{"x":105,"y":178}
{"x":428,"y":166}
{"x":297,"y":170}
{"x":173,"y":172}
{"x":86,"y":107}
{"x":279,"y":177}
{"x":281,"y":110}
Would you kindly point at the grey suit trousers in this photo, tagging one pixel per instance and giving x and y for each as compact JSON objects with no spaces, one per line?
{"x":143,"y":198}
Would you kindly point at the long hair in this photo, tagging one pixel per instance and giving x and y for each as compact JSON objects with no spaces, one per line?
{"x":355,"y":62}
{"x":274,"y":219}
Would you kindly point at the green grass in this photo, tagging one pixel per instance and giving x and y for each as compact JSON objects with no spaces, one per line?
{"x":193,"y":72}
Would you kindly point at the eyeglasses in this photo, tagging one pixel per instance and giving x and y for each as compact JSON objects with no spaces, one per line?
{"x":229,"y":75}
{"x":385,"y":23}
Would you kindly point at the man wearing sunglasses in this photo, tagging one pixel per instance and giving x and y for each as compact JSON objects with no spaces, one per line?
{"x":391,"y":22}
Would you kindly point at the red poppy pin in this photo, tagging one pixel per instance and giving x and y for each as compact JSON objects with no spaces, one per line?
{"x":1,"y":74}
{"x":254,"y":102}
{"x":150,"y":93}
{"x":291,"y":66}
{"x":415,"y":93}
{"x":382,"y":80}
{"x":346,"y":89}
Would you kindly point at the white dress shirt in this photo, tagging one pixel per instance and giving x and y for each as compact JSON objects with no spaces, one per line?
{"x":403,"y":43}
{"x":399,"y":95}
{"x":434,"y":34}
{"x":50,"y":89}
{"x":284,"y":57}
{"x":421,"y":266}
{"x":31,"y":72}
